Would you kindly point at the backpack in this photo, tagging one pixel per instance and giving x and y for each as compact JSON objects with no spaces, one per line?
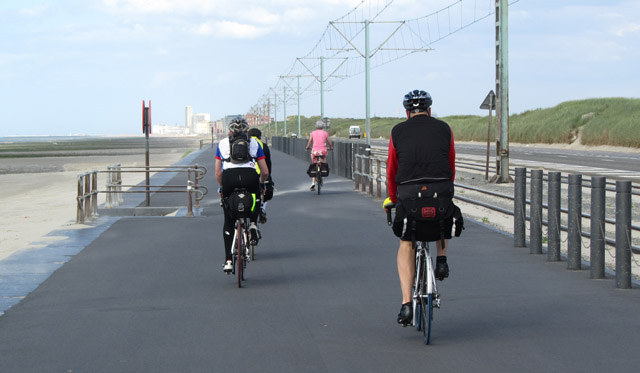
{"x":239,"y":146}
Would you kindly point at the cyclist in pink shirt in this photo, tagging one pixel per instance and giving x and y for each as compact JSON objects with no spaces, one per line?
{"x":319,"y":138}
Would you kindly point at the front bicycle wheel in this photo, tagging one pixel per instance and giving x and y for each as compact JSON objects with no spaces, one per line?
{"x":427,"y":316}
{"x":240,"y":253}
{"x":420,"y":290}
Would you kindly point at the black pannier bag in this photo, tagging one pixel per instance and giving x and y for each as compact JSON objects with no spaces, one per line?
{"x":431,"y":202}
{"x":240,"y":203}
{"x":312,"y":170}
{"x":324,"y":170}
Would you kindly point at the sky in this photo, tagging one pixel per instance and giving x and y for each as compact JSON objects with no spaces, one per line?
{"x":85,"y":66}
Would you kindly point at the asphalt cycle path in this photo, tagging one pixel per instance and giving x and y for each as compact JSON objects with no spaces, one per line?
{"x":322,"y":295}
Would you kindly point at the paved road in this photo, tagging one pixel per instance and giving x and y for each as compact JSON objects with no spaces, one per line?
{"x":149,"y":295}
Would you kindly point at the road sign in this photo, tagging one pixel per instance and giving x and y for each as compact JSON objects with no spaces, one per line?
{"x":489,"y":102}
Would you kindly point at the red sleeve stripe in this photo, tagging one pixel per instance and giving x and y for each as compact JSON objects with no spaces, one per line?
{"x":452,"y":158}
{"x":392,"y":170}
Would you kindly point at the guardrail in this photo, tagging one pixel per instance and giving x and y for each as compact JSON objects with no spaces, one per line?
{"x":87,"y":199}
{"x":369,"y":167}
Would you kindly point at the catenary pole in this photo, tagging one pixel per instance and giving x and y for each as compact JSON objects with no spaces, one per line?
{"x":275,"y":112}
{"x":502,"y":87}
{"x":299,"y":105}
{"x":321,"y":87}
{"x":367,"y":82}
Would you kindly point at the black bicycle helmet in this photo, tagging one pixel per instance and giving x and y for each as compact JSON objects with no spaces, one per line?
{"x":238,"y":125}
{"x":254,"y":132}
{"x":416,"y":101}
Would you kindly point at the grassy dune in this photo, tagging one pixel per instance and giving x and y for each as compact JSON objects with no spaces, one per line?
{"x":598,"y":121}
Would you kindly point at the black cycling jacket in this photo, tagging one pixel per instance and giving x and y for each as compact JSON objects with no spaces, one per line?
{"x":420,"y":149}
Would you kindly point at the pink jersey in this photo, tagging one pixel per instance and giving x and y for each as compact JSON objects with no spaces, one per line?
{"x":319,"y":140}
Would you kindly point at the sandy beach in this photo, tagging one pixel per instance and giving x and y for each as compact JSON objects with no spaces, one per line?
{"x":38,"y":195}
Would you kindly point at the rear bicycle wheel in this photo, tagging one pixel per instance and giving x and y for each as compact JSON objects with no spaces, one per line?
{"x":239,"y":265}
{"x":318,"y":178}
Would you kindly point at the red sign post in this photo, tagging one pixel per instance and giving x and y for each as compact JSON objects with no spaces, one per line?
{"x":146,"y":129}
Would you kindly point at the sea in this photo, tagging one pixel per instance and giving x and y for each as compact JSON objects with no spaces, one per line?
{"x":44,"y":138}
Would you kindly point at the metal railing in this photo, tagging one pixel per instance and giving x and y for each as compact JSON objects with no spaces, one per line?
{"x":87,"y":199}
{"x":369,"y":167}
{"x":597,"y":234}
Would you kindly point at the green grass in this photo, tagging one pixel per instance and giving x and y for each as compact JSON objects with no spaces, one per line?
{"x":93,"y":146}
{"x":601,"y":121}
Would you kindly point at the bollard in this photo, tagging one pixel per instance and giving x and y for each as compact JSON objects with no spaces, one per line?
{"x":87,"y":195}
{"x":574,"y":245}
{"x":535,"y":224}
{"x":553,"y":217}
{"x":189,"y":198}
{"x":365,"y":173}
{"x":94,"y":194}
{"x":108,"y":203}
{"x":598,"y":185}
{"x":195,"y":177}
{"x":358,"y":172}
{"x":379,"y":180}
{"x":623,"y":234}
{"x":519,"y":204}
{"x":370,"y":162}
{"x":119,"y":195}
{"x":80,"y":212}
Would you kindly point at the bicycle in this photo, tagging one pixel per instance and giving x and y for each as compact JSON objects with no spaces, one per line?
{"x":425,"y":296}
{"x":318,"y":161}
{"x":242,"y":250}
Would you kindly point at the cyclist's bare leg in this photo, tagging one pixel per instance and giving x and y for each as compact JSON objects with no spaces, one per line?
{"x":442,"y":251}
{"x":406,"y":269}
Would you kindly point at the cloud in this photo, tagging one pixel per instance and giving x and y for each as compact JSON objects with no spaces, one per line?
{"x":627,"y":29}
{"x":33,"y":11}
{"x":226,"y":77}
{"x":162,"y":78}
{"x":133,"y":7}
{"x":229,"y":29}
{"x":232,"y":19}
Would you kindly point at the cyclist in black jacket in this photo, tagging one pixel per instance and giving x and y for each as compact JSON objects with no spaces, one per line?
{"x":421,"y":150}
{"x":269,"y":185}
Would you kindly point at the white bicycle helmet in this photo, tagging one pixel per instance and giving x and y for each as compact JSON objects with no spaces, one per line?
{"x":238,"y":125}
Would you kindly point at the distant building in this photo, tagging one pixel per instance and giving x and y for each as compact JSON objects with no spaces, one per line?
{"x":218,"y":127}
{"x":201,"y":123}
{"x":188,"y":118}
